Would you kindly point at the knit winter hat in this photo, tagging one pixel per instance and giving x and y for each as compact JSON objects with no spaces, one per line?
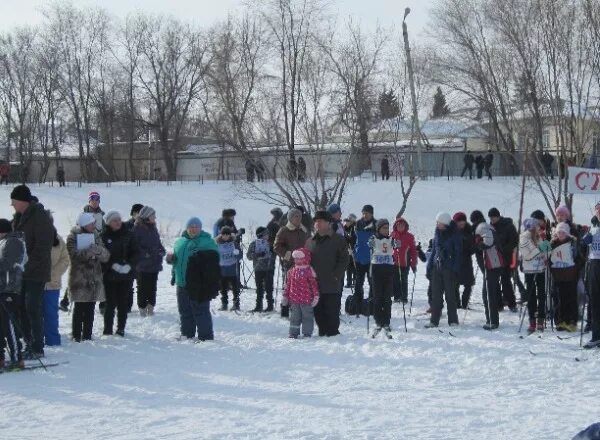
{"x":381,"y":223}
{"x":294,"y":212}
{"x":563,"y":227}
{"x":494,"y":212}
{"x":5,"y":226}
{"x":301,"y":257}
{"x":229,"y":212}
{"x":84,"y":219}
{"x":538,"y":215}
{"x":459,"y":217}
{"x":136,"y":208}
{"x":146,"y":212}
{"x":563,"y":210}
{"x":368,"y":208}
{"x":193,"y":221}
{"x":21,"y":193}
{"x":94,"y":196}
{"x":530,"y":224}
{"x":334,"y":208}
{"x":277,"y":213}
{"x":443,"y":218}
{"x":112,"y":215}
{"x":261,"y":231}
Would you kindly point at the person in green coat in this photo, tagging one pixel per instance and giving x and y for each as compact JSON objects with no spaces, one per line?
{"x":195,"y":261}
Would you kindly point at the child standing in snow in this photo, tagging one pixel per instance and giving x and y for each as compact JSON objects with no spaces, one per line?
{"x":259,"y":252}
{"x":301,"y":293}
{"x":382,"y":274}
{"x":405,"y":257}
{"x":564,"y":274}
{"x":229,"y":255}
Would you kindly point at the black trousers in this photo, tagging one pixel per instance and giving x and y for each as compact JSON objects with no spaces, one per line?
{"x":593,"y":284}
{"x":83,"y":320}
{"x":117,"y":297}
{"x":146,"y":290}
{"x":385,"y":174}
{"x":350,"y":273}
{"x":9,"y":327}
{"x":466,"y":296}
{"x":443,"y":281}
{"x":567,"y":301}
{"x":327,"y":314}
{"x":507,"y":294}
{"x":227,"y":284}
{"x":362,"y":272}
{"x":401,"y":283}
{"x":488,"y":172}
{"x":536,"y":296}
{"x":469,"y":169}
{"x":264,"y":284}
{"x":491,"y":297}
{"x":32,"y":314}
{"x":383,"y":288}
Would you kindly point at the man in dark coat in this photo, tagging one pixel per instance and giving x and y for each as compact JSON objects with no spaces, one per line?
{"x":227,"y":219}
{"x":385,"y":168}
{"x":468,"y":160}
{"x":329,"y":260}
{"x":273,"y":229}
{"x":32,"y":220}
{"x":479,"y":164}
{"x":301,"y":169}
{"x":507,"y":239}
{"x":466,"y":276}
{"x":488,"y":161}
{"x":60,"y":176}
{"x":250,"y":168}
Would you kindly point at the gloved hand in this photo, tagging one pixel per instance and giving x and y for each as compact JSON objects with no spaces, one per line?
{"x":544,"y":246}
{"x":414,"y":269}
{"x":116,"y":267}
{"x":172,"y":279}
{"x":125,"y":269}
{"x":315,"y":301}
{"x":236,"y":252}
{"x":284,"y":301}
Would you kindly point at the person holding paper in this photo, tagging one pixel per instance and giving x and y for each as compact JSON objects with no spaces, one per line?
{"x":86,"y":287}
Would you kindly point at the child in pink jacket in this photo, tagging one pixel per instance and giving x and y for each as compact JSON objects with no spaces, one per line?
{"x":302,"y":294}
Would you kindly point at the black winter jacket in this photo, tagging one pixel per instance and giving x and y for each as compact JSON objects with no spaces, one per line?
{"x":35,"y":223}
{"x":203,"y":275}
{"x":123,"y":250}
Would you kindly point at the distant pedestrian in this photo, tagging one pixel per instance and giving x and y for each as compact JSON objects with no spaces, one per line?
{"x":385,"y":168}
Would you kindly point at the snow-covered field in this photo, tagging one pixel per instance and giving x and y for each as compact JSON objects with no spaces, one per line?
{"x":254,"y":383}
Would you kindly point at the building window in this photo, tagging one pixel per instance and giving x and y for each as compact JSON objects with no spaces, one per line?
{"x":546,"y":139}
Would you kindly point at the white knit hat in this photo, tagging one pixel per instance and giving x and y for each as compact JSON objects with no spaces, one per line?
{"x":443,"y":218}
{"x":112,"y":215}
{"x":84,"y":219}
{"x":563,"y":227}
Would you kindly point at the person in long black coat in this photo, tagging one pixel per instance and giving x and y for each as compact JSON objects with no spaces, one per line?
{"x":466,"y":277}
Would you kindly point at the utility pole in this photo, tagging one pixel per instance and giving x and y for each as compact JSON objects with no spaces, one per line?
{"x":413,"y":95}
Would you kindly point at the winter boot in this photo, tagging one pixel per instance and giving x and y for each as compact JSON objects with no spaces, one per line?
{"x":120,"y":332}
{"x":143,"y":312}
{"x":223,"y":307}
{"x":150,"y":310}
{"x":269,"y":307}
{"x":592,"y":344}
{"x":236,"y":305}
{"x":285,"y":311}
{"x":18,"y":365}
{"x":258,"y":308}
{"x":490,"y":327}
{"x":431,"y":325}
{"x":532,"y":327}
{"x":376,"y":332}
{"x":388,"y":331}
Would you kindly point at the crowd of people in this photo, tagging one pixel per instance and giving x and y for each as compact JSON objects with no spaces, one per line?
{"x":107,"y":254}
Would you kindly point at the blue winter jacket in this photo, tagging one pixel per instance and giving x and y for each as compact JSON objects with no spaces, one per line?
{"x":364,"y":231}
{"x":151,"y":250}
{"x":446,"y":252}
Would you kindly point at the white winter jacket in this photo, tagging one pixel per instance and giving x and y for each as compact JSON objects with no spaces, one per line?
{"x":532,"y":258}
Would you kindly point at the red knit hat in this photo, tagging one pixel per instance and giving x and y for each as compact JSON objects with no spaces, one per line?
{"x":459,"y":217}
{"x":94,"y":196}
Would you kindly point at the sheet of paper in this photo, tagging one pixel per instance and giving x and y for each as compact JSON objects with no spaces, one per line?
{"x":84,"y":241}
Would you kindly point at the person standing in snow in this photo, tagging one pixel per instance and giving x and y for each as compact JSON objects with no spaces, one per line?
{"x":350,"y":236}
{"x":444,"y":266}
{"x":329,"y":260}
{"x":13,"y":257}
{"x":466,"y":278}
{"x":405,"y":258}
{"x":291,"y":236}
{"x":229,"y":257}
{"x":385,"y":168}
{"x":592,"y":240}
{"x":129,"y":224}
{"x":60,"y":263}
{"x":492,"y":264}
{"x":227,"y":219}
{"x":364,"y":230}
{"x":118,"y":271}
{"x":534,"y":252}
{"x":487,"y":162}
{"x":93,"y":208}
{"x":468,"y":160}
{"x":273,"y":228}
{"x":32,"y":219}
{"x":507,"y":240}
{"x":149,"y":261}
{"x":382,"y":274}
{"x":195,"y":260}
{"x":564,"y":275}
{"x":335,"y":212}
{"x":86,"y":286}
{"x":301,"y":294}
{"x":261,"y":255}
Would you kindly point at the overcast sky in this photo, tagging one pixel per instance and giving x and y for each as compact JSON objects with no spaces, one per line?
{"x":206,"y":12}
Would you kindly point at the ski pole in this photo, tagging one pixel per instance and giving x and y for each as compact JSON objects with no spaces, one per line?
{"x":404,"y":314}
{"x":412,"y":292}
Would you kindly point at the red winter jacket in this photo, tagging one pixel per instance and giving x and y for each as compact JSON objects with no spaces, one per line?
{"x":405,"y":249}
{"x":301,"y":285}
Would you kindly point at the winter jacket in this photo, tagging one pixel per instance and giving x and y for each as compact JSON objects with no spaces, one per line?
{"x":329,"y":260}
{"x":338,"y":228}
{"x":259,"y":252}
{"x":229,"y":256}
{"x":306,"y":222}
{"x":382,"y":250}
{"x":123,"y":251}
{"x":577,"y":233}
{"x":273,"y":228}
{"x":151,"y":250}
{"x":532,"y":259}
{"x":507,"y":238}
{"x":85,"y":277}
{"x":485,"y":241}
{"x":350,"y":235}
{"x":364,"y":230}
{"x":98,"y":217}
{"x":13,"y":258}
{"x":446,"y":251}
{"x":289,"y":238}
{"x":37,"y":226}
{"x":184,"y":248}
{"x":301,"y":285}
{"x":60,"y":264}
{"x":592,"y":240}
{"x":224,"y":222}
{"x":203,"y":275}
{"x":563,"y":259}
{"x":466,"y":277}
{"x":405,"y":249}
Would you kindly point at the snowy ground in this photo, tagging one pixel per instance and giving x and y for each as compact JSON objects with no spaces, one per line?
{"x":254,"y":383}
